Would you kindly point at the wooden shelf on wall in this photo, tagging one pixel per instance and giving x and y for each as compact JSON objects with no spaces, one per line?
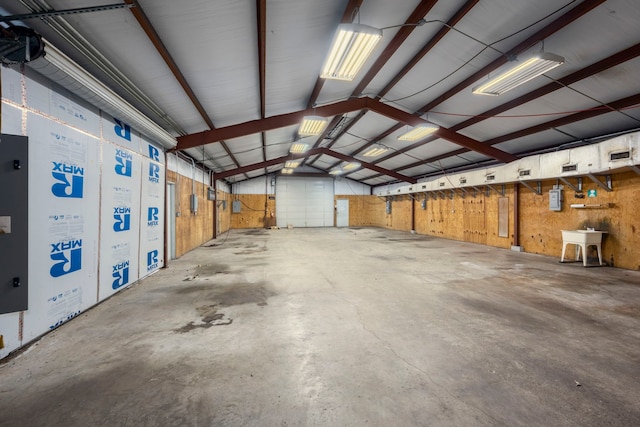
{"x":591,"y":206}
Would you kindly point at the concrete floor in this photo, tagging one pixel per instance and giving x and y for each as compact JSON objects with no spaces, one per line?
{"x":343,"y":327}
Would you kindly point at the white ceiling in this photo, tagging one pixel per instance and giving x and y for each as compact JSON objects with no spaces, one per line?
{"x":216,"y":47}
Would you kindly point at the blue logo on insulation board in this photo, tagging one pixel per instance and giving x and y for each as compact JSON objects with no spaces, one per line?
{"x":120,"y":273}
{"x":153,"y":217}
{"x":70,"y":180}
{"x":152,"y":260}
{"x":122,"y":219}
{"x":68,"y":255}
{"x":124,"y":163}
{"x":154,"y":154}
{"x":123,"y":130}
{"x":154,"y":173}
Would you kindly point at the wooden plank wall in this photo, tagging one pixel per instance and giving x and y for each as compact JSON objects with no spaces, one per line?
{"x":468,"y":218}
{"x":365,"y":211}
{"x":256,"y":211}
{"x":223,"y":201}
{"x":472,"y":218}
{"x":540,"y":227}
{"x":475,"y":219}
{"x":192,"y":230}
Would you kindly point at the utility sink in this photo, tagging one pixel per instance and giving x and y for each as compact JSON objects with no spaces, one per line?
{"x":581,"y":239}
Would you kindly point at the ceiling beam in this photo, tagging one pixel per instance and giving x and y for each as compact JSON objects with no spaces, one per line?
{"x":403,"y":33}
{"x":347,"y":17}
{"x":153,"y":36}
{"x":330,"y":110}
{"x":262,"y":165}
{"x":609,"y":107}
{"x":593,"y":69}
{"x":629,"y":101}
{"x":442,"y":132}
{"x":261,"y":9}
{"x":370,"y":166}
{"x":312,"y":152}
{"x":556,"y":25}
{"x":416,"y":15}
{"x":460,"y":13}
{"x":155,"y":39}
{"x":266,"y":124}
{"x":575,"y":13}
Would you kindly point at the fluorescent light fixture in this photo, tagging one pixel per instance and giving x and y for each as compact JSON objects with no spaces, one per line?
{"x":312,"y":125}
{"x":351,"y":166}
{"x":336,"y":171}
{"x":521,"y":73}
{"x":287,"y":171}
{"x":298,"y":147}
{"x":61,"y":69}
{"x":292,"y":164}
{"x":418,"y":132}
{"x":375,"y":151}
{"x":351,"y":46}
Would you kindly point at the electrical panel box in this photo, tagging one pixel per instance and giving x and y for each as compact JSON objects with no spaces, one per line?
{"x":555,"y":199}
{"x":14,"y":227}
{"x":235,"y":206}
{"x":211,"y":194}
{"x":388,"y":210}
{"x":423,"y":204}
{"x":194,"y":203}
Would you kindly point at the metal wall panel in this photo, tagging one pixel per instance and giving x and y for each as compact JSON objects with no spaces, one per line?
{"x":14,"y":253}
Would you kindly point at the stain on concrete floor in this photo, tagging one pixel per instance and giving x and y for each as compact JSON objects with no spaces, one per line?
{"x":209,"y":317}
{"x":252,"y":248}
{"x":241,"y":293}
{"x":212,"y":269}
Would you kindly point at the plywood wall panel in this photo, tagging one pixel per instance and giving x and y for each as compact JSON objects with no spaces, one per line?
{"x":223,"y":201}
{"x":192,"y":229}
{"x":256,"y":211}
{"x":541,"y":227}
{"x":365,"y":211}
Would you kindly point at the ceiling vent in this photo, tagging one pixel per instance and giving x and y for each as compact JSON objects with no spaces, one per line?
{"x":569,"y":168}
{"x":524,"y":172}
{"x":490,"y":178}
{"x":620,"y":155}
{"x":19,"y":45}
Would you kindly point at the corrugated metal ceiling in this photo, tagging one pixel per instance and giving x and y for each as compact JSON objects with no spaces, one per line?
{"x":217,"y":47}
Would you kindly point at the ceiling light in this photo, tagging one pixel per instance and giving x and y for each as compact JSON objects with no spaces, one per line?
{"x":375,"y":151}
{"x":298,"y":147}
{"x":351,"y":166}
{"x":351,"y":46}
{"x":287,"y":171}
{"x":336,"y":171}
{"x":312,"y":125}
{"x":521,"y":73}
{"x":61,"y":69}
{"x":292,"y":164}
{"x":418,"y":132}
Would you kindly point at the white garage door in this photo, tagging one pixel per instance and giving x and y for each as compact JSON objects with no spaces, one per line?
{"x":304,"y":202}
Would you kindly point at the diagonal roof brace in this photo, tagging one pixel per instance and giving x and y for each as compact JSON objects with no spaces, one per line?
{"x":309,"y":153}
{"x":329,"y":110}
